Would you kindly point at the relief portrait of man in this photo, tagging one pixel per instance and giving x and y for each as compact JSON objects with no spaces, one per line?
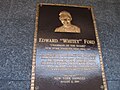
{"x":66,"y":18}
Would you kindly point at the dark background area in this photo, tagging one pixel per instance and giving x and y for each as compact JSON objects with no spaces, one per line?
{"x":17,"y":26}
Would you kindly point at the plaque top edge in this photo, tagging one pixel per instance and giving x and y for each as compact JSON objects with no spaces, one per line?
{"x":68,"y":5}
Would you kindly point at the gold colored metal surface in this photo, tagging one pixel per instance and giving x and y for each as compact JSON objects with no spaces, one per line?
{"x":66,"y":18}
{"x":68,"y":5}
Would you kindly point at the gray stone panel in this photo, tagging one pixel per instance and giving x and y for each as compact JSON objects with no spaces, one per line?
{"x":112,"y":1}
{"x":114,"y":85}
{"x":108,"y":24}
{"x":14,"y":85}
{"x":53,"y":1}
{"x":21,"y":72}
{"x":105,"y":1}
{"x":15,"y":62}
{"x":106,"y":12}
{"x":74,"y":2}
{"x":112,"y":63}
{"x":22,"y":9}
{"x":17,"y":32}
{"x":5,"y":6}
{"x":109,"y":35}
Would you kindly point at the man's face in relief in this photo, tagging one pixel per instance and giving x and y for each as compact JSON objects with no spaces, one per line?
{"x":65,"y":19}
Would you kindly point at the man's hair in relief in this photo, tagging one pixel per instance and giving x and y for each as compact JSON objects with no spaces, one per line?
{"x":65,"y":13}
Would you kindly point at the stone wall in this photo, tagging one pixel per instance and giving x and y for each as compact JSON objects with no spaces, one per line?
{"x":17,"y":26}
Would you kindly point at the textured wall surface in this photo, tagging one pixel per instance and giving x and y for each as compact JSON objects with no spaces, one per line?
{"x":17,"y":26}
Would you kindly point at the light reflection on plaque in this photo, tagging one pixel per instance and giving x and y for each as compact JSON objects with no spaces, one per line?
{"x":66,"y":50}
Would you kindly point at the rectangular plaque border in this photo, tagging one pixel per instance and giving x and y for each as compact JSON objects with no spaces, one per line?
{"x":35,"y":42}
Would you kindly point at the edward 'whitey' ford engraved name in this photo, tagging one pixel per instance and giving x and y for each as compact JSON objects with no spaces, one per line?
{"x":75,"y":41}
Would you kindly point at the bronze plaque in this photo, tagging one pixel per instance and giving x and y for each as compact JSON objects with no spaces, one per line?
{"x":67,"y":53}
